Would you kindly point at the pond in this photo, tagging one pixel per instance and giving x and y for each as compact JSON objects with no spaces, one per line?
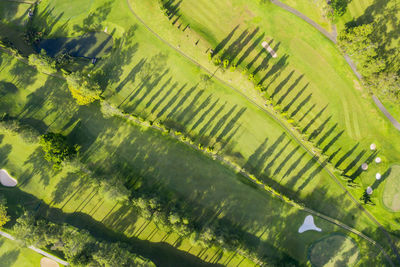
{"x":90,"y":45}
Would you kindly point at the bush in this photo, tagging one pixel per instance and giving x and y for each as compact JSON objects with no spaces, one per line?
{"x":226,"y":63}
{"x":57,"y":149}
{"x":83,"y":89}
{"x":43,"y":63}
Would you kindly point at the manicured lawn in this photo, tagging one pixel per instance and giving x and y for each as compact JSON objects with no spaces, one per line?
{"x":334,"y":250}
{"x":68,"y":9}
{"x":166,"y":88}
{"x":110,"y":146}
{"x":391,"y":192}
{"x":312,"y":9}
{"x":12,"y":255}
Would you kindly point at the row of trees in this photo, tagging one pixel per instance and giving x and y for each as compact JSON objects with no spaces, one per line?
{"x":78,"y":246}
{"x":378,"y":66}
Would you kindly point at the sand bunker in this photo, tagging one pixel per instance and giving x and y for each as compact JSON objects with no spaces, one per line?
{"x":46,"y":262}
{"x":269,"y":49}
{"x":6,"y":179}
{"x":309,"y":225}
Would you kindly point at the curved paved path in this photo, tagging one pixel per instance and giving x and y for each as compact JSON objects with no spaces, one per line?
{"x":38,"y":250}
{"x":316,"y":158}
{"x":302,"y":16}
{"x":333,"y":37}
{"x":241,"y":171}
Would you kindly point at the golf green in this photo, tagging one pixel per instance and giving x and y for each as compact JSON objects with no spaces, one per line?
{"x":391,"y":193}
{"x":334,"y":250}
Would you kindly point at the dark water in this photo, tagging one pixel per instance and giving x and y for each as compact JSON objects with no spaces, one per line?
{"x":91,"y":45}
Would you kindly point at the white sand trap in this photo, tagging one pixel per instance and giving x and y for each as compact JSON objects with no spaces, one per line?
{"x":269,"y":49}
{"x":6,"y":179}
{"x":309,"y":225}
{"x":46,"y":262}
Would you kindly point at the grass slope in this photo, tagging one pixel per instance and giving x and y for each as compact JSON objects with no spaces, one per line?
{"x":12,"y":255}
{"x":310,"y":79}
{"x":176,"y":106}
{"x":142,"y":155}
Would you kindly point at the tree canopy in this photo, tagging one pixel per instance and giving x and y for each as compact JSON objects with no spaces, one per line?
{"x":56,"y":148}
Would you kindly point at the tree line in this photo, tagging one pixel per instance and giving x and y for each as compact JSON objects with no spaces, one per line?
{"x":379,"y":65}
{"x":77,"y":246}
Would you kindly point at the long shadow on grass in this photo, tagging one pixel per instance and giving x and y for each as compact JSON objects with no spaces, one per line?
{"x":161,"y":253}
{"x":238,"y":45}
{"x":312,"y":121}
{"x":296,"y":97}
{"x":225,"y":41}
{"x":290,"y":89}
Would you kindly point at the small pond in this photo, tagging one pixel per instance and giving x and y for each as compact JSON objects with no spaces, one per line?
{"x":90,"y":45}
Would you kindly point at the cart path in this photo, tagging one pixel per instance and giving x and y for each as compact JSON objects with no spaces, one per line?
{"x":307,"y":19}
{"x":37,"y":250}
{"x":316,"y":158}
{"x":333,"y":38}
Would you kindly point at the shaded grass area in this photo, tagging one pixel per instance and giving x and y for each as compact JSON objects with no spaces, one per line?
{"x":121,"y":71}
{"x":303,"y":81}
{"x":91,"y":45}
{"x":12,"y":255}
{"x":113,"y":148}
{"x":334,"y":250}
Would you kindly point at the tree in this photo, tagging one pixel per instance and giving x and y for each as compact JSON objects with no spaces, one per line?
{"x":339,"y":7}
{"x":4,"y":218}
{"x":83,"y":89}
{"x":43,"y":62}
{"x":57,"y":149}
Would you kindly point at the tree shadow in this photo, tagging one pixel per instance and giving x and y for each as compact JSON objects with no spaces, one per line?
{"x":333,"y":141}
{"x":312,"y":121}
{"x":225,"y":41}
{"x":297,"y":96}
{"x":9,"y":258}
{"x":319,"y":130}
{"x":279,"y":87}
{"x":290,"y":89}
{"x":346,"y":155}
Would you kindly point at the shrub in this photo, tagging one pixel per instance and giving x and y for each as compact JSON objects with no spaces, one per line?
{"x":43,"y":63}
{"x":83,"y":89}
{"x":226,"y":63}
{"x":217,"y":61}
{"x":57,"y":149}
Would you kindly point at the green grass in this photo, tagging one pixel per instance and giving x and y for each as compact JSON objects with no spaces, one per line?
{"x":334,"y":250}
{"x":244,"y":133}
{"x":67,"y":9}
{"x":342,"y":129}
{"x":391,"y":193}
{"x":151,"y":156}
{"x":12,"y":255}
{"x":312,"y":9}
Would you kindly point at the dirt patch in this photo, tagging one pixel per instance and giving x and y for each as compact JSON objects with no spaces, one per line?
{"x":46,"y":262}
